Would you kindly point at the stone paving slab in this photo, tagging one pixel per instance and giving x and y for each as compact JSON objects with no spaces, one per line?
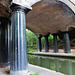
{"x":42,"y":71}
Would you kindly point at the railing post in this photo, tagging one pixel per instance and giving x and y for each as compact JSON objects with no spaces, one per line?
{"x":19,"y":62}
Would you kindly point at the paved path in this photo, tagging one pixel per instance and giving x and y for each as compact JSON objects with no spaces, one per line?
{"x":33,"y":68}
{"x":43,"y":71}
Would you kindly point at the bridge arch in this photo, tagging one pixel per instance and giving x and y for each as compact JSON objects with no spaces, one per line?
{"x":70,"y":4}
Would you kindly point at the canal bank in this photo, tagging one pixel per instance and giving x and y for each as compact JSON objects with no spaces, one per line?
{"x":60,"y":55}
{"x":62,"y":65}
{"x":47,"y":66}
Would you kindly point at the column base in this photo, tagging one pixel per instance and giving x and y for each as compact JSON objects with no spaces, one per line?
{"x":4,"y":64}
{"x":23,"y":72}
{"x":67,"y":51}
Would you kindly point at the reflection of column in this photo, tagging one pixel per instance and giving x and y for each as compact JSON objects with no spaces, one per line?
{"x":66,"y":67}
{"x":46,"y":44}
{"x":47,"y":63}
{"x":39,"y":60}
{"x":69,"y":67}
{"x":57,"y":64}
{"x":73,"y":68}
{"x":39,"y":44}
{"x":52,"y":64}
{"x":67,"y":43}
{"x":19,"y":63}
{"x":55,"y":43}
{"x":4,"y":52}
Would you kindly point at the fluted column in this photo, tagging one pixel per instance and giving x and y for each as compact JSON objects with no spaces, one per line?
{"x":55,"y":43}
{"x":39,"y":44}
{"x":4,"y":52}
{"x":19,"y":63}
{"x":46,"y":44}
{"x":67,"y":42}
{"x":9,"y":40}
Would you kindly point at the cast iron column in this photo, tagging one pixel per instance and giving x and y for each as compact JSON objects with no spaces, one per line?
{"x":9,"y":39}
{"x":39,"y":44}
{"x":55,"y":43}
{"x":46,"y":44}
{"x":19,"y":63}
{"x":67,"y":42}
{"x":4,"y":52}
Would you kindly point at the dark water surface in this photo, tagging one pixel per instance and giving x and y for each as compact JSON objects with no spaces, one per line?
{"x":66,"y":66}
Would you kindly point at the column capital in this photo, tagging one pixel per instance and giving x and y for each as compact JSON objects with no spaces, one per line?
{"x":26,"y":3}
{"x":15,"y":7}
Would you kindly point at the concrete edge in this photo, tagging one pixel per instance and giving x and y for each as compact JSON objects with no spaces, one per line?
{"x":60,"y":55}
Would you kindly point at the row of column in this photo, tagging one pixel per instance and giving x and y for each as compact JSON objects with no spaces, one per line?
{"x":66,"y":40}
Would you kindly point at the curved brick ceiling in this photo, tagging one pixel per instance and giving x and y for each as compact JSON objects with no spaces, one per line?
{"x":50,"y":16}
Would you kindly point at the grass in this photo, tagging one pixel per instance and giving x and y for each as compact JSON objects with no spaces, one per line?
{"x":36,"y":73}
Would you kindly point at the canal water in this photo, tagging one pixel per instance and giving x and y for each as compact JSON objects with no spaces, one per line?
{"x":65,"y":66}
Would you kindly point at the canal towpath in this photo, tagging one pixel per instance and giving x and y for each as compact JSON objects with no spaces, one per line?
{"x":42,"y":71}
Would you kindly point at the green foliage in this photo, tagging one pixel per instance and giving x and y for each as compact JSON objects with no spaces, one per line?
{"x":42,"y":41}
{"x":36,"y":73}
{"x":50,"y":39}
{"x":31,"y":41}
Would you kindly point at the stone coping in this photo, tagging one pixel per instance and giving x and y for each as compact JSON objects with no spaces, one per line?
{"x":61,"y":55}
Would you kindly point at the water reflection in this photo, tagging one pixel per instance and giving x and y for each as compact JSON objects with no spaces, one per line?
{"x":66,"y":67}
{"x":60,"y":65}
{"x":56,"y":64}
